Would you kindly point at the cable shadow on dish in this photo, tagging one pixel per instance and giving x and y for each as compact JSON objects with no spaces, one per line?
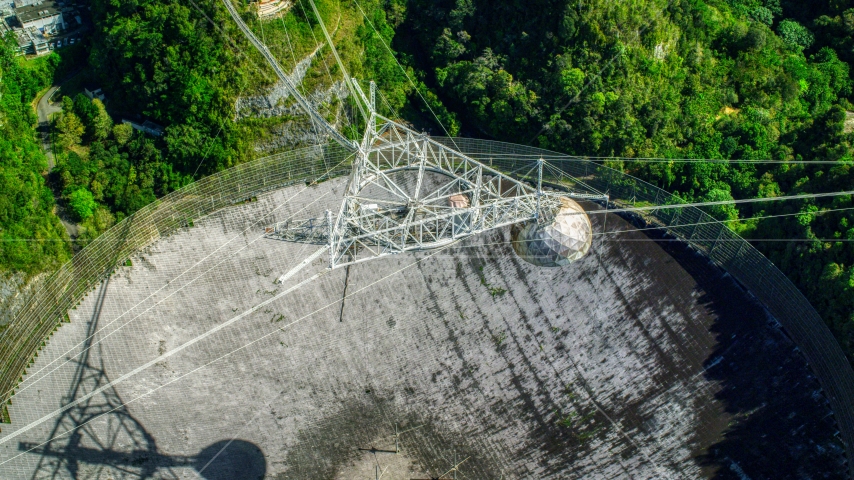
{"x":100,"y":437}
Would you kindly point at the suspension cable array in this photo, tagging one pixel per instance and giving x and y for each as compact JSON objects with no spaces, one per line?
{"x":316,"y":117}
{"x":406,"y":191}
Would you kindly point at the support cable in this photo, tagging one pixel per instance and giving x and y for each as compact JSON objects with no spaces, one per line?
{"x":183,"y":346}
{"x":265,"y":52}
{"x":561,"y":176}
{"x":240,"y":235}
{"x":347,"y":78}
{"x":762,"y":217}
{"x":238,"y":51}
{"x":586,"y":158}
{"x":803,"y":196}
{"x":388,"y":104}
{"x":406,"y":74}
{"x":225,"y":258}
{"x":713,"y":222}
{"x":296,"y":64}
{"x":318,"y":42}
{"x":154,"y":361}
{"x":539,"y":185}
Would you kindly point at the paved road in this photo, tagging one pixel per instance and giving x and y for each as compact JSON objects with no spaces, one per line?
{"x":45,"y":109}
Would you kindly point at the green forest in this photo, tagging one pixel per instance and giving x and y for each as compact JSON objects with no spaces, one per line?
{"x":656,"y":79}
{"x":736,"y":79}
{"x":31,"y":237}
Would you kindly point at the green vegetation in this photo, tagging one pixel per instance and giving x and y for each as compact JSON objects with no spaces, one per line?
{"x":163,"y":60}
{"x":116,"y":173}
{"x":181,"y":65}
{"x":493,"y":290}
{"x":82,"y":203}
{"x":499,"y":339}
{"x":31,"y":236}
{"x":707,"y":79}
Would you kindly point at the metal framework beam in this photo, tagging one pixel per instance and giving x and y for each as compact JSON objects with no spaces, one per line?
{"x":408,"y":192}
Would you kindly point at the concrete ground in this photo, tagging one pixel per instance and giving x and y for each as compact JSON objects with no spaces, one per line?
{"x":638,"y":361}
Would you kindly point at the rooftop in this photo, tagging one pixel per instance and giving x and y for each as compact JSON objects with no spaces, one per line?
{"x":30,"y":36}
{"x":29,"y":13}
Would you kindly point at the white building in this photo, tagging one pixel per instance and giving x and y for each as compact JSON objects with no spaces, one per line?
{"x":44,"y":16}
{"x":32,"y":42}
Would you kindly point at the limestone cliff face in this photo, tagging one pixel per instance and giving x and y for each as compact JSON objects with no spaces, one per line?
{"x":13,"y":288}
{"x":295,"y":128}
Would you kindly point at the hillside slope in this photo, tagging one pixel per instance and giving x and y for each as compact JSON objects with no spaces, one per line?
{"x":700,"y":79}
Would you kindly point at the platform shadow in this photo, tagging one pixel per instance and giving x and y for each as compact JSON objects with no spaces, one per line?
{"x":99,"y":437}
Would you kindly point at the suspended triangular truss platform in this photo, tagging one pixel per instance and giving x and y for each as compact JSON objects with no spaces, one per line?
{"x":408,"y":192}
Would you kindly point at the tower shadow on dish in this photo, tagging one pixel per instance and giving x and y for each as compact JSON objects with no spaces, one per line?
{"x":78,"y":446}
{"x":776,"y":422}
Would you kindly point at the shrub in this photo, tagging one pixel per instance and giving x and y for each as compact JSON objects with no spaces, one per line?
{"x":82,"y":203}
{"x":794,"y":34}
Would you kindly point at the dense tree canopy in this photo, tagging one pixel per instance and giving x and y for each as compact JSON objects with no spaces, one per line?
{"x":702,"y":79}
{"x":31,"y":237}
{"x":115,"y":174}
{"x":164,"y":60}
{"x":707,"y":79}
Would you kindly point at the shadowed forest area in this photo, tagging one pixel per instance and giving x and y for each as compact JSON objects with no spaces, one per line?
{"x":651,"y":79}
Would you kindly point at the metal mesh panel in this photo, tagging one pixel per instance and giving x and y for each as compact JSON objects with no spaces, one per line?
{"x":45,"y":307}
{"x":735,"y":255}
{"x":42,"y":311}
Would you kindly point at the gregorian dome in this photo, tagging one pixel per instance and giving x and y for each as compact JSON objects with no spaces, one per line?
{"x":566,"y":239}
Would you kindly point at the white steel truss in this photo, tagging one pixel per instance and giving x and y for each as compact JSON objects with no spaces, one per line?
{"x":406,"y":191}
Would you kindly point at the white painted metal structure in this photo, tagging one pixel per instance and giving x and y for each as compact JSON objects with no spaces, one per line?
{"x":399,"y":195}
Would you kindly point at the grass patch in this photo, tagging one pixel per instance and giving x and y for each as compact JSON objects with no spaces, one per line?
{"x":500,"y":340}
{"x":493,"y":290}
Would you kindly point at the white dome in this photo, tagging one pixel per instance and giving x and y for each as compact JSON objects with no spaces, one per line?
{"x":559,"y":243}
